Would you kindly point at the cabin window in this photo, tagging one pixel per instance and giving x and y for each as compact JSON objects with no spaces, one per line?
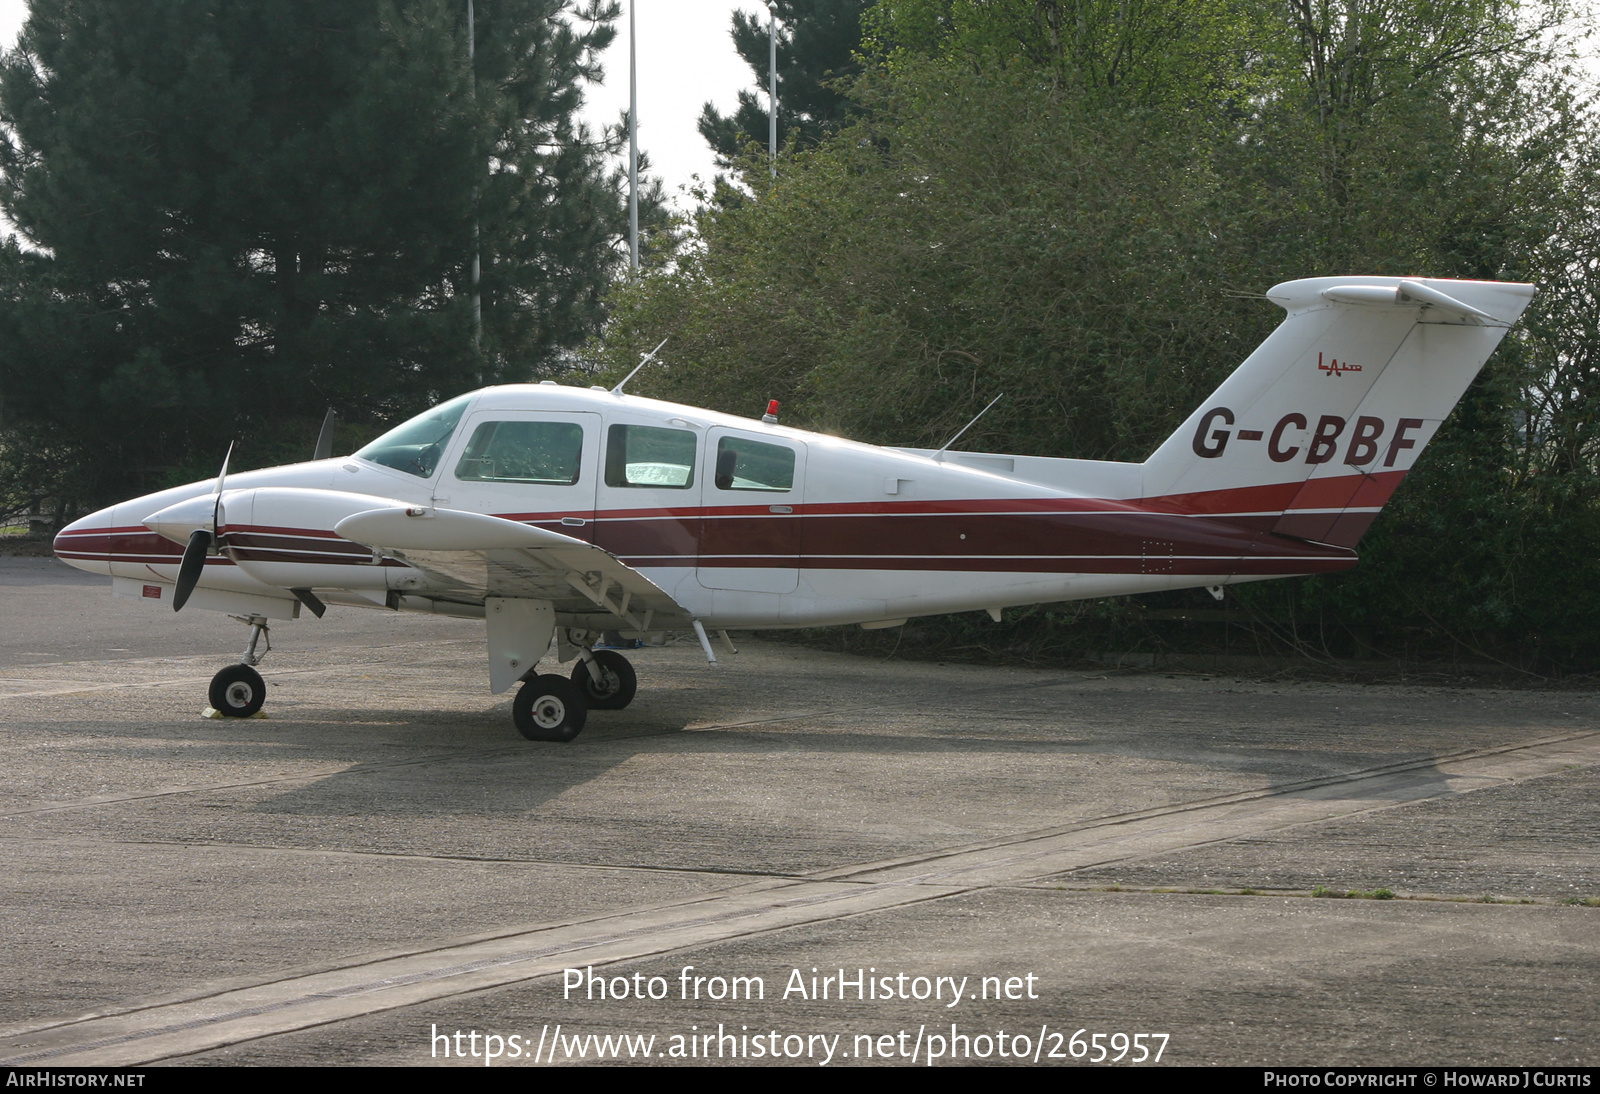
{"x":540,"y":453}
{"x":751,"y":465}
{"x":416,"y":446}
{"x":648,"y":455}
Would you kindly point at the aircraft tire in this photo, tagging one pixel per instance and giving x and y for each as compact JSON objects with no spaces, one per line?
{"x":616,"y":690}
{"x":549,"y":708}
{"x":237,"y":691}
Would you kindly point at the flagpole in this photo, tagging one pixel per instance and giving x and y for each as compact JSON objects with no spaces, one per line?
{"x":772,"y":85}
{"x":633,"y":142}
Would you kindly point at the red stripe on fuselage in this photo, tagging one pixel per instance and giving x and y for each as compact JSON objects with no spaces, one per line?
{"x":1333,"y":491}
{"x":1206,"y":532}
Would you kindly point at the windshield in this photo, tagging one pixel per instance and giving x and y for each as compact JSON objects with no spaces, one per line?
{"x":416,"y":446}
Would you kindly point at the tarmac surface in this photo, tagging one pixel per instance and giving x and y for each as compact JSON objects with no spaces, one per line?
{"x":383,"y":862}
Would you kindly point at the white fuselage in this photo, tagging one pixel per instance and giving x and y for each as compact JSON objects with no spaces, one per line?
{"x":798,"y":528}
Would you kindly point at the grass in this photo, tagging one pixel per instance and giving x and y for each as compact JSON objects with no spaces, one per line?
{"x":1353,"y":894}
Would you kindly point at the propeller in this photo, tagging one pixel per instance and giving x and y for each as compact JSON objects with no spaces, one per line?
{"x":324,"y":447}
{"x":201,"y":541}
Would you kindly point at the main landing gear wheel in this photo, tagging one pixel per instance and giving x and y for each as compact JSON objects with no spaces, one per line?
{"x":238,"y":691}
{"x":616,"y":686}
{"x":549,"y":708}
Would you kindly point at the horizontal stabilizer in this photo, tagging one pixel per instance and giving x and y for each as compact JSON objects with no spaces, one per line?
{"x":1408,"y":293}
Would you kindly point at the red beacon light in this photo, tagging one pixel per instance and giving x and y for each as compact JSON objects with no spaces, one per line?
{"x":771,"y":416}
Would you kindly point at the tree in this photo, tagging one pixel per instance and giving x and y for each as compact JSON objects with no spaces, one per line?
{"x":973,"y":232}
{"x":1085,"y":222}
{"x":1140,"y":52}
{"x":1446,"y":139}
{"x":239,"y":214}
{"x":816,"y":48}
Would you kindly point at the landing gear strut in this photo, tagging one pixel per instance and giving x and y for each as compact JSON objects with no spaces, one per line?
{"x":238,"y":690}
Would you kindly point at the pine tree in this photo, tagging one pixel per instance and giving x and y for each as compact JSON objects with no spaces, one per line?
{"x":817,"y":40}
{"x":240,"y":213}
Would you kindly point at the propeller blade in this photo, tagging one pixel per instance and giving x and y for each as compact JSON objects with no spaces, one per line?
{"x":324,"y":448}
{"x":222,"y":475}
{"x":194,"y":561}
{"x":216,"y":508}
{"x":200,"y":543}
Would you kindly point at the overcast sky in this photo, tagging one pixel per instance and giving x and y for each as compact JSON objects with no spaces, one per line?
{"x":686,"y":58}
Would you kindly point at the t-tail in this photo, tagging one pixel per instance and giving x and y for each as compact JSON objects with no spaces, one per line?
{"x":1311,"y":435}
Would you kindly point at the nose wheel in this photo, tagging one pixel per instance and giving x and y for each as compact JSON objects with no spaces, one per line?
{"x":238,"y":690}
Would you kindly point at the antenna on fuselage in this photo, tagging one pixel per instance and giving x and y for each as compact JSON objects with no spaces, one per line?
{"x":644,"y":359}
{"x":969,"y":425}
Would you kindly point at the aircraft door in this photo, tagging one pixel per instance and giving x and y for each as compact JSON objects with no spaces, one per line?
{"x":538,"y":467}
{"x":649,"y":485}
{"x":750,"y":523}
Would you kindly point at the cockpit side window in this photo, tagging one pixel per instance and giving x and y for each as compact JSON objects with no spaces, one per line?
{"x":648,"y":455}
{"x":543,"y":453}
{"x":752,"y":465}
{"x":416,"y":446}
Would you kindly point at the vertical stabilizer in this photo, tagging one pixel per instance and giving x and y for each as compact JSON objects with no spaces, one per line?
{"x":1311,"y":435}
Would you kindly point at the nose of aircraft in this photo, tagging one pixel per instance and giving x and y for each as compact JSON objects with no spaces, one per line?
{"x":87,"y":542}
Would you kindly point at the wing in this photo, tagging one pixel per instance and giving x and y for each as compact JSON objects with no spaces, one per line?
{"x":471,"y":556}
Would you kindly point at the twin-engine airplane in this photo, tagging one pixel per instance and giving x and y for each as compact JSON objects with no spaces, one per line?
{"x":560,"y":512}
